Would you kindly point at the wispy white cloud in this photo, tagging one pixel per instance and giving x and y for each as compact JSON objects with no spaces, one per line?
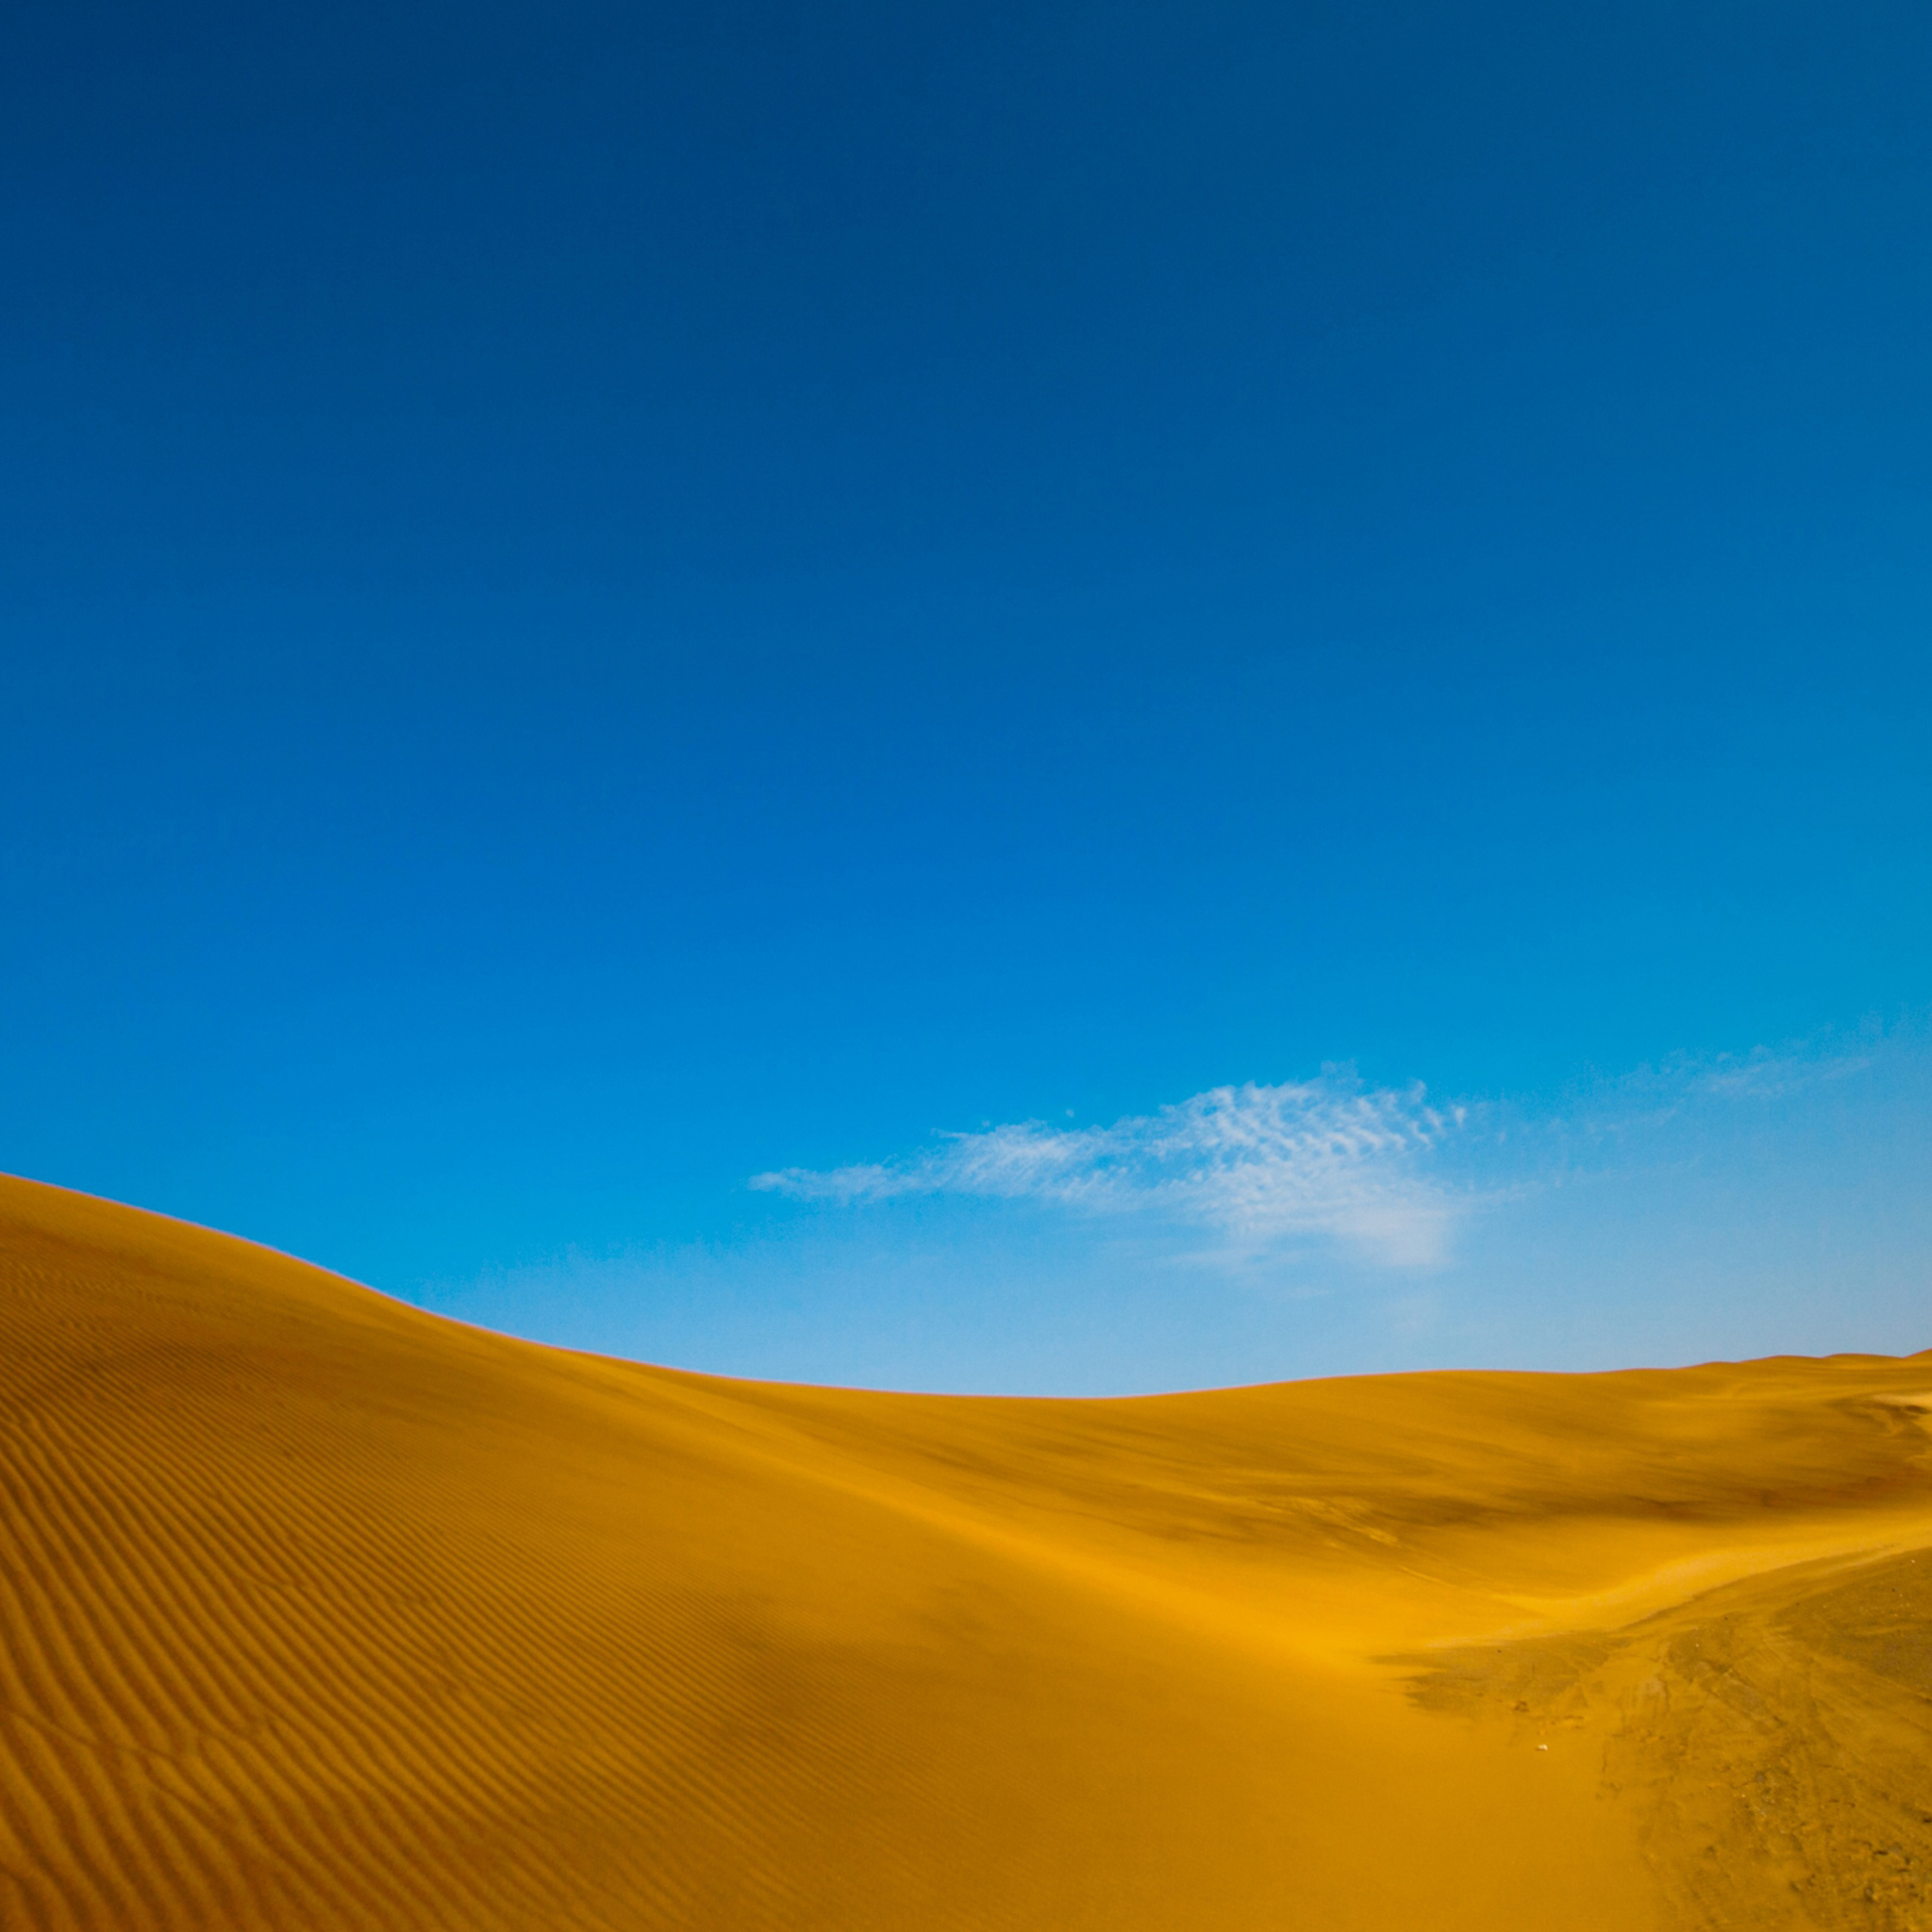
{"x":1384,"y":1174}
{"x":1252,"y":1166}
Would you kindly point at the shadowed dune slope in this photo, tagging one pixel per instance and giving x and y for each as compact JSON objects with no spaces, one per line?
{"x":318,"y":1612}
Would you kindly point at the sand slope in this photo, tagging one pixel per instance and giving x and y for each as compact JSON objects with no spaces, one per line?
{"x":316,"y":1611}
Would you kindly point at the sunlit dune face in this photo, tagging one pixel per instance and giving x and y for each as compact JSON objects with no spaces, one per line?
{"x":316,"y":1611}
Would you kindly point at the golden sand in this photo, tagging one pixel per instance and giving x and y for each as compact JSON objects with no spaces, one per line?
{"x":319,"y":1611}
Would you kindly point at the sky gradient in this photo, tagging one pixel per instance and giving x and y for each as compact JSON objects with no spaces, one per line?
{"x":614,"y":614}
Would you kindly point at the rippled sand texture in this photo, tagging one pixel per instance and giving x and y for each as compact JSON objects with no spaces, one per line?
{"x":317,"y":1611}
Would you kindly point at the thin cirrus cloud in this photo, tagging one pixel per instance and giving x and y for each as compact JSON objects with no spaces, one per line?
{"x":1252,"y":1167}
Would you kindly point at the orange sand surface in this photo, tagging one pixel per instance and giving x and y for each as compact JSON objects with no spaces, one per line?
{"x":317,"y":1610}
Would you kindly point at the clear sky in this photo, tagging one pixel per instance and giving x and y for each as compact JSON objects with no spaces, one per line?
{"x":1025,"y":697}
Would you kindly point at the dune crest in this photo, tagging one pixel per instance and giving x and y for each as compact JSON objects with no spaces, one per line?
{"x":319,"y":1611}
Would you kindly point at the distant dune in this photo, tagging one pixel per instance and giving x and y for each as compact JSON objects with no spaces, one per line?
{"x":318,"y":1612}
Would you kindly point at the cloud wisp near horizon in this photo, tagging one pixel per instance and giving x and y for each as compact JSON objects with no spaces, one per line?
{"x":1252,"y":1166}
{"x":1386,"y":1175}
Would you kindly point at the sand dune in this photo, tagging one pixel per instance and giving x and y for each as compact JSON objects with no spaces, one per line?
{"x":317,"y":1611}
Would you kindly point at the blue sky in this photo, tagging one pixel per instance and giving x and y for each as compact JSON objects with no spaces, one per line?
{"x":1246,"y":687}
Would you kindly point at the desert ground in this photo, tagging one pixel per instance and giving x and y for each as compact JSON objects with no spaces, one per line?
{"x":317,"y":1610}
